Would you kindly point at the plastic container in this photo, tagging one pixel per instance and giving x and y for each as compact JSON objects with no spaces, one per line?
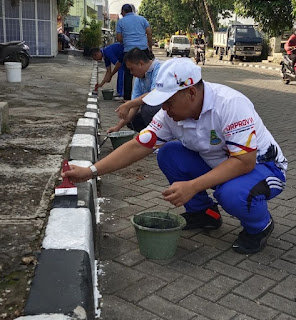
{"x":13,"y":71}
{"x":158,"y":233}
{"x":108,"y":94}
{"x":120,"y":137}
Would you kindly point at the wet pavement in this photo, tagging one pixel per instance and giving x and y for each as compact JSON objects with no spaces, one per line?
{"x":205,"y":280}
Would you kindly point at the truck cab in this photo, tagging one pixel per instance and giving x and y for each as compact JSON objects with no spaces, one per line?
{"x":239,"y":41}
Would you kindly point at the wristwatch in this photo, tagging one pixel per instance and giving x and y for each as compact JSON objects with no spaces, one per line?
{"x":94,"y":171}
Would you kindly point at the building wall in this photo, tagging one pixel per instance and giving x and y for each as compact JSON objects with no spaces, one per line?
{"x":34,"y":21}
{"x":84,"y":10}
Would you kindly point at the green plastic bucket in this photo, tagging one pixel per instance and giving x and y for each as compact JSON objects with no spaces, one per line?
{"x":120,"y":137}
{"x":158,"y":233}
{"x":108,"y":94}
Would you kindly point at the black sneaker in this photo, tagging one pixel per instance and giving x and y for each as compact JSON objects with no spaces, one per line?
{"x":209,"y":219}
{"x":247,"y":243}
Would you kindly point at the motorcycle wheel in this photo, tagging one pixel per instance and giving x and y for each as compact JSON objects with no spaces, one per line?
{"x":23,"y":59}
{"x":286,"y":81}
{"x":203,"y":59}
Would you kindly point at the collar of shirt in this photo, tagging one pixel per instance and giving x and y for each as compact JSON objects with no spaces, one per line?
{"x":129,"y":14}
{"x":103,"y":54}
{"x":207,"y":105}
{"x":151,"y":66}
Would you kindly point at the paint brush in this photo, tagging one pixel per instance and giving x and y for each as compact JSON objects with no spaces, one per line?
{"x":66,"y":192}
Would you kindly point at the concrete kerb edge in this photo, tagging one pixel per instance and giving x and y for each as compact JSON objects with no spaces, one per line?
{"x":245,"y":64}
{"x":69,"y":232}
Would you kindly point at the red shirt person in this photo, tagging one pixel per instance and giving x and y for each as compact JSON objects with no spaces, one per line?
{"x":290,"y":47}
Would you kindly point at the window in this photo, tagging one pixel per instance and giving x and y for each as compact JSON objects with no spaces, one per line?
{"x":31,"y":22}
{"x":181,"y":40}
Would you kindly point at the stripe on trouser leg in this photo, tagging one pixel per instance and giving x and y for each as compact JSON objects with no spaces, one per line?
{"x":261,"y":188}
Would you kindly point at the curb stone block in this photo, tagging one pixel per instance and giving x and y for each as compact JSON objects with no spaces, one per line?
{"x":69,"y":229}
{"x":82,"y":153}
{"x":84,"y":147}
{"x":92,"y":100}
{"x":67,"y":285}
{"x":92,"y":115}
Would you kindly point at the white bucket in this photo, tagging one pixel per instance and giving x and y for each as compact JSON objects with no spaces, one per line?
{"x":13,"y":71}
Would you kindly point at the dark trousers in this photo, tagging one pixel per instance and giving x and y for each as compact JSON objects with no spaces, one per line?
{"x":143,"y":117}
{"x":128,"y":79}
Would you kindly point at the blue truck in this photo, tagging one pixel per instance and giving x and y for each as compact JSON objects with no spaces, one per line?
{"x":238,"y":41}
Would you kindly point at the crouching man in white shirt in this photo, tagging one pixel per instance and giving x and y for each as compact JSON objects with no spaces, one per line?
{"x":210,"y":137}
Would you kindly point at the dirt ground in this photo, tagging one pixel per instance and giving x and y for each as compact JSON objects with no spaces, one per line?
{"x":43,"y":110}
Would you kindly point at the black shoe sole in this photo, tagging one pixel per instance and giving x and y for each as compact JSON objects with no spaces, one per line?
{"x":260,"y":248}
{"x":205,"y":227}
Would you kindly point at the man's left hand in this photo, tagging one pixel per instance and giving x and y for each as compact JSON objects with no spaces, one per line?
{"x":179,"y":193}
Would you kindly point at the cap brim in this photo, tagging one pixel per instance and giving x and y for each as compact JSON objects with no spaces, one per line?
{"x":154,"y":98}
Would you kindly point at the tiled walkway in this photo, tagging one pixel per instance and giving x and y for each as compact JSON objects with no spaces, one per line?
{"x":205,"y":280}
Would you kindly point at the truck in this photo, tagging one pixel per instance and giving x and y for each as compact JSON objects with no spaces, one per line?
{"x":238,"y":41}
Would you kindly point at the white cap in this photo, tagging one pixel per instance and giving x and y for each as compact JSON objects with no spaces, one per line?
{"x":173,"y":75}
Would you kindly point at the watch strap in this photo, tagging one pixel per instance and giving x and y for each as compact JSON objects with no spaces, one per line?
{"x":94,"y":171}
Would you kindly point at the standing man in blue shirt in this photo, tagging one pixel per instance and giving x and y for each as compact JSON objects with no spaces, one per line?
{"x":135,"y":113}
{"x":134,"y":32}
{"x":112,"y":54}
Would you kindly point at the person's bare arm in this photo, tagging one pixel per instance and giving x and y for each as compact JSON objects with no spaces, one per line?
{"x":121,"y":157}
{"x":123,"y":122}
{"x":149,"y":37}
{"x":124,"y":109}
{"x":116,"y":68}
{"x":107,"y":77}
{"x":119,"y":37}
{"x":181,"y":192}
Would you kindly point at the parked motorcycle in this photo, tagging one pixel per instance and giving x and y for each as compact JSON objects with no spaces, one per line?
{"x":15,"y":51}
{"x":288,"y":71}
{"x":199,"y":53}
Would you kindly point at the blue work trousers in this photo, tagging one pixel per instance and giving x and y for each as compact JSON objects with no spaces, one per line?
{"x":244,"y":197}
{"x":120,"y":75}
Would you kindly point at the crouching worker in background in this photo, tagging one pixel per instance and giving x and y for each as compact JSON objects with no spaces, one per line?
{"x":135,"y":113}
{"x":220,"y":142}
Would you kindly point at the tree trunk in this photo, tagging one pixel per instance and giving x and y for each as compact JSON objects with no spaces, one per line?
{"x":210,"y":16}
{"x":204,"y":20}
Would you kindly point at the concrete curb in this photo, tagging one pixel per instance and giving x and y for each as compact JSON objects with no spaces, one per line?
{"x":245,"y":64}
{"x":64,"y":283}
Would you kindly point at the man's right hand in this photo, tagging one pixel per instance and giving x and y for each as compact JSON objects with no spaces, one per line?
{"x":78,"y":174}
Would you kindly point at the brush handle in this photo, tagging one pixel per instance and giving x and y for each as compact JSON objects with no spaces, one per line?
{"x":65,"y":167}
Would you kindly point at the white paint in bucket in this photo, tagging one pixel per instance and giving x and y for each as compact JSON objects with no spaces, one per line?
{"x":13,"y":71}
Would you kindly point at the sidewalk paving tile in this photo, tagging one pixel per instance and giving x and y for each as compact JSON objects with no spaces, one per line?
{"x":249,"y":307}
{"x":207,"y":308}
{"x":115,"y":308}
{"x":165,"y":308}
{"x":216,"y":288}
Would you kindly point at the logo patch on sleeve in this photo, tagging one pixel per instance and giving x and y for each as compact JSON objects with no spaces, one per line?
{"x":147,"y":138}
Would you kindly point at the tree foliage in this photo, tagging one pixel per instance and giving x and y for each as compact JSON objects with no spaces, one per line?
{"x":91,"y":35}
{"x":273,"y":16}
{"x":154,"y":12}
{"x":64,"y":6}
{"x":169,"y":16}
